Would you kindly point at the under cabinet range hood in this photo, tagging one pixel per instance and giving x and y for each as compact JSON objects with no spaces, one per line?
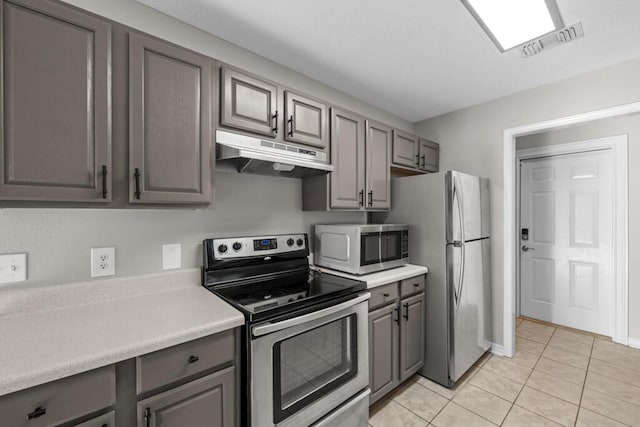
{"x":254,"y":155}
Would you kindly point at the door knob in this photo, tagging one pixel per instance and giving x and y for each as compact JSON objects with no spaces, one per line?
{"x":527,"y":248}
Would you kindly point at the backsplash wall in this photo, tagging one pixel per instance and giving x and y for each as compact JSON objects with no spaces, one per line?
{"x":58,"y":241}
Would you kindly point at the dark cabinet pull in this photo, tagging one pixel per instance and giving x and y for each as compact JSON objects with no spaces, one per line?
{"x":385,"y":295}
{"x":193,"y":359}
{"x":361,"y":197}
{"x":275,"y":119}
{"x":423,"y":160}
{"x":417,"y":159}
{"x":105,"y":425}
{"x":397,"y":314}
{"x":416,"y":285}
{"x":371,"y":198}
{"x":37,"y":413}
{"x":147,"y":417}
{"x":406,"y":311}
{"x":290,"y":121}
{"x":104,"y":181}
{"x":136,"y":175}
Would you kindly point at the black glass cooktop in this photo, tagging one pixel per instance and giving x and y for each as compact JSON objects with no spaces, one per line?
{"x":279,"y":294}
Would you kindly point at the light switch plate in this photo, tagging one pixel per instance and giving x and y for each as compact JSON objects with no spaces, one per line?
{"x":103,"y":261}
{"x":13,"y":268}
{"x":171,"y":256}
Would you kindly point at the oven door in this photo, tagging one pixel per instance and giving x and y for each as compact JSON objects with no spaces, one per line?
{"x":303,"y":368}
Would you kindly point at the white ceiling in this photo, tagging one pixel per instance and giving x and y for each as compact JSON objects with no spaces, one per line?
{"x":414,"y":58}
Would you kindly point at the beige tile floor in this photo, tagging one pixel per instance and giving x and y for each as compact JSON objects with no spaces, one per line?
{"x":557,"y":377}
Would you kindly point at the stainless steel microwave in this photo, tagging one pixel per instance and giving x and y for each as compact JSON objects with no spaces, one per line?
{"x":361,"y":248}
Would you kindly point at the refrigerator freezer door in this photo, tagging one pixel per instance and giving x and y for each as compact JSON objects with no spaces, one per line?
{"x":470,"y":313}
{"x":465,"y":221}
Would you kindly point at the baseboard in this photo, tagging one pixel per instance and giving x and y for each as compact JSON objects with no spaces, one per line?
{"x":497,"y":349}
{"x":634,"y":342}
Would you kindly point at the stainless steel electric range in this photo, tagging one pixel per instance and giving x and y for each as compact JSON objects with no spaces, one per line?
{"x":305,"y":340}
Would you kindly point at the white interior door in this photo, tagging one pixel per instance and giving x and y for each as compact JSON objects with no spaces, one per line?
{"x":566,"y":203}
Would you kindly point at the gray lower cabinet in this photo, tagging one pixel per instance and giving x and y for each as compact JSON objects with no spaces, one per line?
{"x":396,"y":334}
{"x":55,"y":143}
{"x":170,"y":94}
{"x":306,"y":120}
{"x":248,"y":103}
{"x":208,"y":401}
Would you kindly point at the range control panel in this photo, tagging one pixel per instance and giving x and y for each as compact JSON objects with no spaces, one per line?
{"x":240,"y":247}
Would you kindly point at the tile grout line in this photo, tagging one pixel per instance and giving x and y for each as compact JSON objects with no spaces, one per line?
{"x":586,"y":374}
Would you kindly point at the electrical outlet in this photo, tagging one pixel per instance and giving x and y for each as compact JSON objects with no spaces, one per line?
{"x":13,"y":268}
{"x":171,"y":256}
{"x":103,"y":262}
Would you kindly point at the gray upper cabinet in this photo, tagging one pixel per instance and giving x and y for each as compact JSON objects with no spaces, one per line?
{"x":55,"y":142}
{"x":248,"y":103}
{"x":208,"y":401}
{"x":347,"y":157}
{"x":378,"y":158}
{"x":170,"y":94}
{"x":429,"y":155}
{"x":405,"y":149}
{"x":383,"y":351}
{"x":306,"y":120}
{"x":412,"y":335}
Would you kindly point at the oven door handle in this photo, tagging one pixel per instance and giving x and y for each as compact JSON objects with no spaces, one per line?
{"x":278,"y":326}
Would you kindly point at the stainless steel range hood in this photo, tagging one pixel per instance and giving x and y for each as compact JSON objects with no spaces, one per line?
{"x":254,"y":155}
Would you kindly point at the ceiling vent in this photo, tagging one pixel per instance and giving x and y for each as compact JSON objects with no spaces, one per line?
{"x":554,"y":39}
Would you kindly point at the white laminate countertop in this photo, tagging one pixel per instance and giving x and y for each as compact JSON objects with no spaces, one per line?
{"x":380,"y":278}
{"x":57,"y":331}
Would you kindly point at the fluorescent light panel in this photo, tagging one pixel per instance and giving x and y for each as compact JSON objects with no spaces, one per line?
{"x":510,"y":23}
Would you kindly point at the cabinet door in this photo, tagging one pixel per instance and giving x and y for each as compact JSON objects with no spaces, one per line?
{"x":405,"y":149}
{"x":248,"y":103}
{"x":306,"y":120}
{"x":347,"y":157}
{"x":429,"y":155}
{"x":383,"y":351}
{"x":208,"y":401}
{"x":55,"y":138}
{"x":378,"y":153}
{"x":412,"y":335}
{"x":169,"y":123}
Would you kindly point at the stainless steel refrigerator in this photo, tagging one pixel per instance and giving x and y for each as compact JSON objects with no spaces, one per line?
{"x":449,"y":232}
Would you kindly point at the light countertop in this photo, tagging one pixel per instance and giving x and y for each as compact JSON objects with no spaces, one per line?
{"x":45,"y":338}
{"x":382,"y":277}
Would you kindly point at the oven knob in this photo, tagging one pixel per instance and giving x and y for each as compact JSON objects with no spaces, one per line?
{"x":290,"y":242}
{"x":222,"y":248}
{"x":300,"y":242}
{"x":237,"y":246}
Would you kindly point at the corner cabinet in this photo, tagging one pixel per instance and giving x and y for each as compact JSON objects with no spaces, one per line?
{"x":56,"y":95}
{"x":360,"y":155}
{"x":412,"y":153}
{"x":170,"y":114}
{"x":397,"y":334}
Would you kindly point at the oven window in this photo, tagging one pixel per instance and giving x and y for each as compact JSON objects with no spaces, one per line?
{"x":370,"y":250}
{"x":309,"y":366}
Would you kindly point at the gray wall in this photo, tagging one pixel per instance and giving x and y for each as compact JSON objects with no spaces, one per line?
{"x":472,"y":140}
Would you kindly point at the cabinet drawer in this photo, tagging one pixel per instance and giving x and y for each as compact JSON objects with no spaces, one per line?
{"x":175,"y":363}
{"x":60,"y":401}
{"x":412,"y":285}
{"x":106,"y":420}
{"x":383,"y":295}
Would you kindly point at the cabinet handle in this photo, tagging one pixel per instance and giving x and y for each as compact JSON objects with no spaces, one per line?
{"x":37,"y":413}
{"x":397,"y":313}
{"x":147,"y":417}
{"x":136,"y":175}
{"x":275,"y":118}
{"x":385,"y":295}
{"x":423,"y":160}
{"x":417,"y":159}
{"x":193,"y":359}
{"x":370,"y":198}
{"x":406,"y":311}
{"x":416,"y":285}
{"x":361,"y":197}
{"x":104,"y":181}
{"x":290,"y":121}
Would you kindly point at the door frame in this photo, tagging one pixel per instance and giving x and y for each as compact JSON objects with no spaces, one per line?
{"x":510,"y":232}
{"x":619,"y":148}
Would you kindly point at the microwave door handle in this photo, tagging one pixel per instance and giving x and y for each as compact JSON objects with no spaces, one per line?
{"x":382,"y":242}
{"x":278,"y":326}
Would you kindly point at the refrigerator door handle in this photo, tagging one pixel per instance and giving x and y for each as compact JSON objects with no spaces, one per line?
{"x":457,"y":198}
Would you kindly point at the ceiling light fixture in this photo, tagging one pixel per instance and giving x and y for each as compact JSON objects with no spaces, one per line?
{"x":511,"y":23}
